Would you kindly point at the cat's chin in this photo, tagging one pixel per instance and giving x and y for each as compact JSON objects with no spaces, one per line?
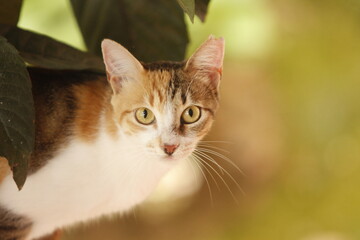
{"x":170,"y":158}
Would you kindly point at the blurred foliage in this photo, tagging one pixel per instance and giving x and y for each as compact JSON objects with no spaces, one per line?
{"x":7,"y":10}
{"x":55,"y":18}
{"x":290,"y":104}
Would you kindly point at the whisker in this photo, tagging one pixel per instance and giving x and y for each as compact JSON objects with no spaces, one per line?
{"x":222,"y":157}
{"x":211,"y":175}
{"x":198,"y":152}
{"x":225,"y":142}
{"x":223,"y":169}
{"x":207,"y":182}
{"x":213,"y":147}
{"x":222,"y":179}
{"x":193,"y":170}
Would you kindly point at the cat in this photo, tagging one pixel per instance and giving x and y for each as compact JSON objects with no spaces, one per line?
{"x":104,"y":142}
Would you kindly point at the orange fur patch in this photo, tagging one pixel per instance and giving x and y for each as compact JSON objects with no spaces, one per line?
{"x":4,"y":169}
{"x":110,"y":122}
{"x":92,"y":99}
{"x":156,"y":85}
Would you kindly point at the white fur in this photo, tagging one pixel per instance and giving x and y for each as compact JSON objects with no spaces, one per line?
{"x":87,"y":180}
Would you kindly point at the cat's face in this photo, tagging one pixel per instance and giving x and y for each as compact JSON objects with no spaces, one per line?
{"x":165,"y":107}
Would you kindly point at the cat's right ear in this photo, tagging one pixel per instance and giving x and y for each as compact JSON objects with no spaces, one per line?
{"x":207,"y":61}
{"x":120,"y":64}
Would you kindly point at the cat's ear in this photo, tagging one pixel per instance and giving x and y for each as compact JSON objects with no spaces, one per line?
{"x":120,"y":64}
{"x":207,"y":61}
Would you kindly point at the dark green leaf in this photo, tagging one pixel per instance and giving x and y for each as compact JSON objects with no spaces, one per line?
{"x":16,"y":112}
{"x":42,"y":51}
{"x":189,"y":7}
{"x":151,"y":30}
{"x":10,"y":11}
{"x":201,"y":7}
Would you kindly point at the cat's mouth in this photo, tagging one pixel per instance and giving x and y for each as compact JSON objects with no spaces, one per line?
{"x":177,"y":156}
{"x":172,"y":157}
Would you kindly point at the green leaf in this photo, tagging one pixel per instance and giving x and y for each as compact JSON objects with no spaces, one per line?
{"x":151,"y":30}
{"x":17,"y":129}
{"x":192,"y":7}
{"x":189,"y":7}
{"x":201,"y":7}
{"x":42,"y":51}
{"x":10,"y":11}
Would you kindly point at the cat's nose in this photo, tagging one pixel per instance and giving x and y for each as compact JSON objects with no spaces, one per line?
{"x":170,"y":149}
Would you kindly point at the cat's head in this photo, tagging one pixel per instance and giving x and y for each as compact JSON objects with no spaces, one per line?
{"x":167,"y":106}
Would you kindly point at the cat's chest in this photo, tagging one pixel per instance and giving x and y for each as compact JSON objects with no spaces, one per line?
{"x":85,"y":180}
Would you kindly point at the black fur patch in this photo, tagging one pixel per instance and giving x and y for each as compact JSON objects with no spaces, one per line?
{"x":160,"y":66}
{"x":12,"y":226}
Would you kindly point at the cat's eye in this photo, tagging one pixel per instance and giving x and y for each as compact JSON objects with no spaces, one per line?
{"x":144,"y":116}
{"x":191,"y":114}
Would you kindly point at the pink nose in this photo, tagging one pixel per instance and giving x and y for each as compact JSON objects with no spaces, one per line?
{"x":170,"y":149}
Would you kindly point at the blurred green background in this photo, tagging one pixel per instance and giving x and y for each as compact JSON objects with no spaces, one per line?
{"x":290,"y":119}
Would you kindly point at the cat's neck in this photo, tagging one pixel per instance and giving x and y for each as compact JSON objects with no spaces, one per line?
{"x":94,"y":111}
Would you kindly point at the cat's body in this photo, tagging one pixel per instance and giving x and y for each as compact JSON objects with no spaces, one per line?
{"x":75,"y":160}
{"x":103,"y":145}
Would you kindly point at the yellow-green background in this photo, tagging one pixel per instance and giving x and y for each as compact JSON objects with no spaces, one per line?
{"x":290,"y":110}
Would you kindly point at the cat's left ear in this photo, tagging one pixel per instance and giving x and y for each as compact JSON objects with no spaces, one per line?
{"x":121,"y":65}
{"x":207,"y":61}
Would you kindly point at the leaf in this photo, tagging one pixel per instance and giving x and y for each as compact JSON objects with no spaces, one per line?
{"x":189,"y":7}
{"x":45,"y":52}
{"x":151,"y":30}
{"x":10,"y":11}
{"x":201,"y":7}
{"x":17,"y":116}
{"x":192,"y":7}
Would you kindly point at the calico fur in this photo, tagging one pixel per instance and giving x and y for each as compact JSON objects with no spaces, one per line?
{"x":4,"y":169}
{"x":91,"y":157}
{"x":59,"y":108}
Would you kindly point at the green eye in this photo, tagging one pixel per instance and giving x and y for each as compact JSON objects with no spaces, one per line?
{"x":191,"y":114}
{"x":144,"y":116}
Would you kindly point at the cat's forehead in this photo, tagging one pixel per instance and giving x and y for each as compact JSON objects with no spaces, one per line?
{"x":169,"y":82}
{"x":166,"y":82}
